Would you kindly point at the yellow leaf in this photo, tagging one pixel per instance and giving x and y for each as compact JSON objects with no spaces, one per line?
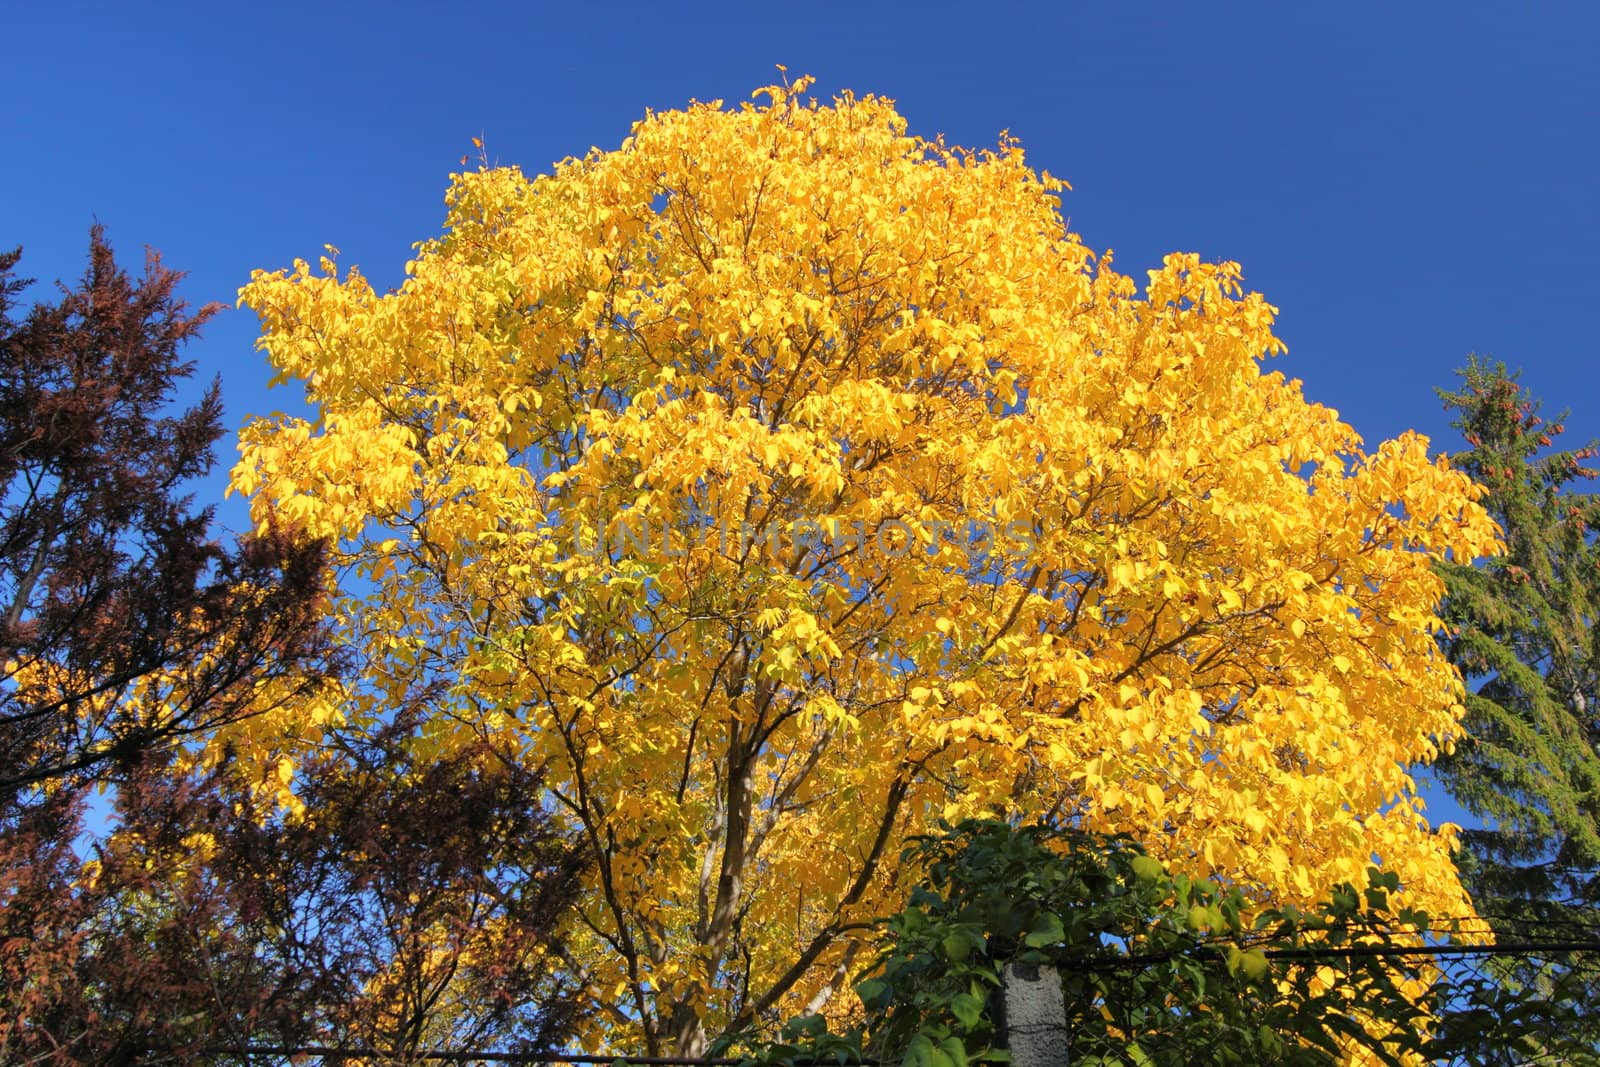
{"x":564,"y":470}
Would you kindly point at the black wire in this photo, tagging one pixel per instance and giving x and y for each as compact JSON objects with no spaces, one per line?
{"x":1513,"y":949}
{"x":447,"y":1056}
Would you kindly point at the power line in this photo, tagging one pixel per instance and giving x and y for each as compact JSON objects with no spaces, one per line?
{"x":1504,"y":948}
{"x":527,"y":1058}
{"x":447,"y":1056}
{"x":1521,"y":949}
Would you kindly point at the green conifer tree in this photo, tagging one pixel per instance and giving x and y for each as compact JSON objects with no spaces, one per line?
{"x":1523,"y":633}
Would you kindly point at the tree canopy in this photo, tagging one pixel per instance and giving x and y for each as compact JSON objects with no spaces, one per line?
{"x":1522,"y":626}
{"x":126,"y":633}
{"x":191,"y":908}
{"x":1522,"y":630}
{"x":125,"y":629}
{"x":780,"y":483}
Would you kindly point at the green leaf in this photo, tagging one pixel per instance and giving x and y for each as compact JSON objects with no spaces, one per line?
{"x":1047,"y":930}
{"x":1148,"y":868}
{"x":967,"y":1009}
{"x":955,"y":1050}
{"x":874,"y":994}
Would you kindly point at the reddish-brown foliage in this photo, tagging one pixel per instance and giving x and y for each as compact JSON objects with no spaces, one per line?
{"x":413,"y":905}
{"x":108,"y":574}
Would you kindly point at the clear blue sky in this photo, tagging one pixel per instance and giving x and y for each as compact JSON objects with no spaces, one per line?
{"x":1408,"y":182}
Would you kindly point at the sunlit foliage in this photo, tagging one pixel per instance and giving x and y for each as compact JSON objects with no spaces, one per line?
{"x":782,"y":483}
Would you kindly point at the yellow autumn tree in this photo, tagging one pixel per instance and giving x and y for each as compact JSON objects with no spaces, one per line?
{"x":784,"y":483}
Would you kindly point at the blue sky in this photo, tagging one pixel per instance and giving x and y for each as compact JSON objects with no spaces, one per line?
{"x":1407,"y":182}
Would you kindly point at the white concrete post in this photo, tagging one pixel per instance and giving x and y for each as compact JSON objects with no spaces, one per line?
{"x":1035,"y":1016}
